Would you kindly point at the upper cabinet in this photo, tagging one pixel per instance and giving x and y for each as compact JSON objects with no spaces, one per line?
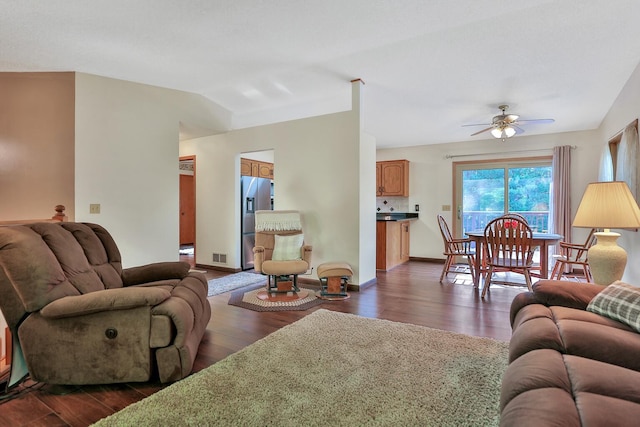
{"x":257,"y":168}
{"x":392,"y":178}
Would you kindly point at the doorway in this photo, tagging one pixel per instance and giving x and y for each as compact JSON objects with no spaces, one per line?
{"x":188,"y":209}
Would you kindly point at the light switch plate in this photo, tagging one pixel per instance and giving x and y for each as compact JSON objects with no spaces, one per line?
{"x":446,"y":208}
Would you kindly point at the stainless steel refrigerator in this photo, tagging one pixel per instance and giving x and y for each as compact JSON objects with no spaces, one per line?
{"x":256,"y":194}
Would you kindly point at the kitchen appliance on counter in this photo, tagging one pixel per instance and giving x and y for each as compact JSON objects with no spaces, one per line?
{"x":256,"y":194}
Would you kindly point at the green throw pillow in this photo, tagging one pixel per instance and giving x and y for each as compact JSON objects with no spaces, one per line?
{"x":618,"y":301}
{"x":287,"y":248}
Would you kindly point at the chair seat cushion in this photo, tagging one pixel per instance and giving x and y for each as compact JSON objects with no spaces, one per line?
{"x":284,"y":267}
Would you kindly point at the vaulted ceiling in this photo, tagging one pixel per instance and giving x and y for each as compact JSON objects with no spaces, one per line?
{"x":428,"y":66}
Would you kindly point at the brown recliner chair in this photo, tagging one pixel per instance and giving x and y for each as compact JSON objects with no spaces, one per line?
{"x":279,"y":251}
{"x":77,"y":317}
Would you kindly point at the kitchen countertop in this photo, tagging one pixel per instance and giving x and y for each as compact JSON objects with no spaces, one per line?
{"x":396,"y":216}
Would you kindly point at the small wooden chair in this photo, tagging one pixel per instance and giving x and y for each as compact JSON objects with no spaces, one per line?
{"x":508,"y":243}
{"x":455,"y":248}
{"x":573,"y":254}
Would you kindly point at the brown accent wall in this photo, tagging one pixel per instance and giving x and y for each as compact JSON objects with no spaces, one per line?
{"x":37,"y":134}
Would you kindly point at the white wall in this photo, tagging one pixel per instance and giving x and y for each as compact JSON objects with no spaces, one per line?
{"x":431,"y":176}
{"x":126,"y":154}
{"x":625,"y":109}
{"x":318,"y":171}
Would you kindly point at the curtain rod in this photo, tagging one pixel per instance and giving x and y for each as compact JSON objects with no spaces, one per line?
{"x":617,"y":134}
{"x":451,"y":156}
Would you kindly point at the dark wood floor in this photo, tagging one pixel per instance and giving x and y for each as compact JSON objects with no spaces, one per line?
{"x":410,"y":293}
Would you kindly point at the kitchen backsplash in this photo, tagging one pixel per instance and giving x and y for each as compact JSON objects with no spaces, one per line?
{"x":392,"y":204}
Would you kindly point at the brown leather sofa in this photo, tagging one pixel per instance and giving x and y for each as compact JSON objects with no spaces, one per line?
{"x":78,"y":317}
{"x":569,"y":366}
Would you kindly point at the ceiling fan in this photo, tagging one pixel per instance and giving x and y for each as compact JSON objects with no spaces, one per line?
{"x":506,"y":125}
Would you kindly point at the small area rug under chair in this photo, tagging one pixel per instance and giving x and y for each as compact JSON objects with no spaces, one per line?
{"x":257,"y":298}
{"x":234,"y":281}
{"x":338,"y":369}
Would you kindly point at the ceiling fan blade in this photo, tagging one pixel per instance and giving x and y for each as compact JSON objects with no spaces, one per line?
{"x":536,"y":121}
{"x":478,"y":124}
{"x":483,"y":130}
{"x":518,"y":129}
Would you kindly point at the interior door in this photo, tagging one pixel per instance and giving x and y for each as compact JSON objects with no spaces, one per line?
{"x":187,"y":210}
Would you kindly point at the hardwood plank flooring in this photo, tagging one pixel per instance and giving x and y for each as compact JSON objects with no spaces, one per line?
{"x":409,"y":293}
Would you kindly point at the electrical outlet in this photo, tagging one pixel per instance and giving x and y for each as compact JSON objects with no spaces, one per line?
{"x":94,"y":208}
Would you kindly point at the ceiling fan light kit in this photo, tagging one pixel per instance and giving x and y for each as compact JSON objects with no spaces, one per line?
{"x":503,"y":132}
{"x":505,"y":126}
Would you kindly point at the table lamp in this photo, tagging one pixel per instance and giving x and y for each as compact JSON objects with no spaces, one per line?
{"x":607,"y":205}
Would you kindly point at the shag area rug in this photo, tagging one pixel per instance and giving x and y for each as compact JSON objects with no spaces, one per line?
{"x":249,"y":298}
{"x":337,"y":369}
{"x":234,"y":281}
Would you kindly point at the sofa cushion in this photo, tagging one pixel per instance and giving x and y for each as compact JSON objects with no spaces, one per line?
{"x":100,"y":250}
{"x":576,"y":332}
{"x":287,"y":248}
{"x":70,"y":255}
{"x":618,"y":301}
{"x":546,"y":388}
{"x":32,"y":272}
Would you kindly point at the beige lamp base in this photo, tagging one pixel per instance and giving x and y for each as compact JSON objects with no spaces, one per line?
{"x":607,"y":260}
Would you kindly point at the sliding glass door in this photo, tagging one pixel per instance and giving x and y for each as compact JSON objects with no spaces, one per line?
{"x":486,"y":190}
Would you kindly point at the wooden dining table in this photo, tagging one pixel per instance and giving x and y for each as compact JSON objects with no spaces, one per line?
{"x":541,"y":240}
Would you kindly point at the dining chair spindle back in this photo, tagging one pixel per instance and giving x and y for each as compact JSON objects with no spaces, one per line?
{"x":508,"y":243}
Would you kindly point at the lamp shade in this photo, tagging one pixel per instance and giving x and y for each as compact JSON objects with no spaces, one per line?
{"x":607,"y":205}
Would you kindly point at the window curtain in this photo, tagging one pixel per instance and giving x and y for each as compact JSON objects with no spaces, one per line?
{"x":606,"y":165}
{"x":627,"y":159}
{"x":561,"y":192}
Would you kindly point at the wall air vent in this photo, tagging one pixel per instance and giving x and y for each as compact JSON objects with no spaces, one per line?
{"x":221,"y":258}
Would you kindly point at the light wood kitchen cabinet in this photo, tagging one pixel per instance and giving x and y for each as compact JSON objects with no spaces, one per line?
{"x":404,"y":241}
{"x":392,"y":178}
{"x":265,"y":170}
{"x":257,"y":168}
{"x":392,"y":243}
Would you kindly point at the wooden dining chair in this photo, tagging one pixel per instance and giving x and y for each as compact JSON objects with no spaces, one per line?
{"x":573,"y":254}
{"x":508,"y":245}
{"x":454,"y":248}
{"x":516,"y":215}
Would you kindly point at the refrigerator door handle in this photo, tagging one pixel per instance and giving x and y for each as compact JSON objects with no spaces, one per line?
{"x":250,"y":204}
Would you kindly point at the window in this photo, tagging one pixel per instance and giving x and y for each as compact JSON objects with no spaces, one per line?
{"x":486,"y":190}
{"x":620,"y":158}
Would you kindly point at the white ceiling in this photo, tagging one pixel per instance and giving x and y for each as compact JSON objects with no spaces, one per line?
{"x":428,"y":66}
